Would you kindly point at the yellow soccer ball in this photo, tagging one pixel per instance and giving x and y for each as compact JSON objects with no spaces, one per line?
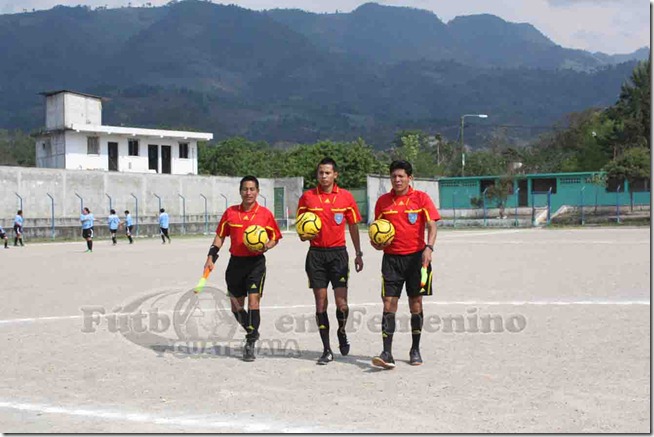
{"x":381,"y":232}
{"x":255,"y":238}
{"x":308,"y":224}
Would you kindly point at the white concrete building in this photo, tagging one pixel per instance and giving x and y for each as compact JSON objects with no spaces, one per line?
{"x":75,"y":139}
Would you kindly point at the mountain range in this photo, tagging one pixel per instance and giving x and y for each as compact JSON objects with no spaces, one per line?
{"x":288,"y":76}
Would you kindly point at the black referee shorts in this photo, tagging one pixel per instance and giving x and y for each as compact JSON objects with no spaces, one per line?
{"x":87,"y":233}
{"x":327,"y":264}
{"x":398,"y":270}
{"x":245,"y":275}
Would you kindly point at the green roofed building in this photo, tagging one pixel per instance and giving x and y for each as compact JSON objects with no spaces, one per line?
{"x":532,"y":190}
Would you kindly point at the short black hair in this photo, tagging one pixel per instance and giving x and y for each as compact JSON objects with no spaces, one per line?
{"x":20,"y":211}
{"x":248,"y":178}
{"x":112,"y":211}
{"x":327,"y":161}
{"x":126,"y":212}
{"x":162,"y":210}
{"x":401,"y":164}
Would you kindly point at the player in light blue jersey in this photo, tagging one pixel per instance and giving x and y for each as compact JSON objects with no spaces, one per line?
{"x":164,"y":222}
{"x":129,"y":225}
{"x":113,"y":221}
{"x":18,"y":228}
{"x":87,"y":228}
{"x":3,"y":236}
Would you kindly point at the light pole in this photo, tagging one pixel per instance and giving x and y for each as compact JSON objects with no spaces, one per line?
{"x":463,"y":150}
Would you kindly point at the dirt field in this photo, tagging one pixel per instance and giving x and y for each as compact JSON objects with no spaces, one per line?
{"x":568,"y":349}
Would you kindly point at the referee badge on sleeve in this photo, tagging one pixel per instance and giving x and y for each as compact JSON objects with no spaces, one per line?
{"x":413,"y":217}
{"x":338,"y":217}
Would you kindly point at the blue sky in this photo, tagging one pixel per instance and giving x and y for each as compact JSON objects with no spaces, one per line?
{"x":609,"y":26}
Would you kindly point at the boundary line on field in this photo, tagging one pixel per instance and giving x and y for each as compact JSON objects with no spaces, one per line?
{"x":202,"y":421}
{"x":378,"y":304}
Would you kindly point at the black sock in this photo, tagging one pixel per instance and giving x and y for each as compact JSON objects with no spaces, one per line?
{"x":388,"y":329}
{"x":6,"y":241}
{"x":91,"y":245}
{"x":130,"y":238}
{"x":15,"y":241}
{"x":20,"y":240}
{"x":242,"y":318}
{"x":163,"y":238}
{"x":254,"y":322}
{"x":416,"y":329}
{"x":323,"y":327}
{"x":341,"y":318}
{"x":113,"y":239}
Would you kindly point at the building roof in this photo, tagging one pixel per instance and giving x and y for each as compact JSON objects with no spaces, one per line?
{"x":136,"y":131}
{"x":524,"y":176}
{"x":52,"y":93}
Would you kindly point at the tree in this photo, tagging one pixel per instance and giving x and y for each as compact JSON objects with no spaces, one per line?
{"x":499,"y":192}
{"x":632,"y":165}
{"x":355,"y":160}
{"x":16,"y":148}
{"x":634,"y":107}
{"x":599,"y":181}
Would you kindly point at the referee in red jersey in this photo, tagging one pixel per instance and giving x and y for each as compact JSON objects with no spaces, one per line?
{"x":410,"y":211}
{"x":246,"y":270}
{"x":327,"y":260}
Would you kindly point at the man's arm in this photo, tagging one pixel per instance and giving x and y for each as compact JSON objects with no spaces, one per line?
{"x":431,"y":240}
{"x":356,"y":240}
{"x":212,"y":256}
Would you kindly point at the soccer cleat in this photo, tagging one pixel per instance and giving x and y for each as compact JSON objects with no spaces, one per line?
{"x":343,"y":344}
{"x":252,"y":336}
{"x":88,"y":251}
{"x":326,"y":357}
{"x":384,"y":360}
{"x":414,"y":357}
{"x":248,"y":351}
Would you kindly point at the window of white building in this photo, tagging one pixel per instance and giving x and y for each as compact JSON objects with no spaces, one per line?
{"x":133,"y":147}
{"x":183,"y":150}
{"x":92,"y":145}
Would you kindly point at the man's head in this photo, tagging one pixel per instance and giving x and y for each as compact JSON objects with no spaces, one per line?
{"x":249,"y":189}
{"x":126,"y":212}
{"x":113,"y":211}
{"x":162,"y":210}
{"x":326,"y":173}
{"x":20,"y":212}
{"x":401,"y":176}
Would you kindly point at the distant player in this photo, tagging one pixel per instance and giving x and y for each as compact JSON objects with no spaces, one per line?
{"x":129,"y":226}
{"x":3,"y":236}
{"x":164,"y":222}
{"x":246,"y":271}
{"x":18,"y":228}
{"x":327,"y":260}
{"x":410,"y":211}
{"x":113,"y":221}
{"x":87,"y":228}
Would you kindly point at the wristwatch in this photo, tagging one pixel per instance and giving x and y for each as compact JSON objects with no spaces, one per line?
{"x":430,"y":246}
{"x":359,"y":253}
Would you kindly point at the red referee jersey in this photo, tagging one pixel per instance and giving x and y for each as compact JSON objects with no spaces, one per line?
{"x":234,"y":222}
{"x":334,"y":209}
{"x":409,"y":214}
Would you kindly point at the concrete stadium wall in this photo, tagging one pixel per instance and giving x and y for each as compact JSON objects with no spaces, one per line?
{"x":95,"y":187}
{"x":377,"y":186}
